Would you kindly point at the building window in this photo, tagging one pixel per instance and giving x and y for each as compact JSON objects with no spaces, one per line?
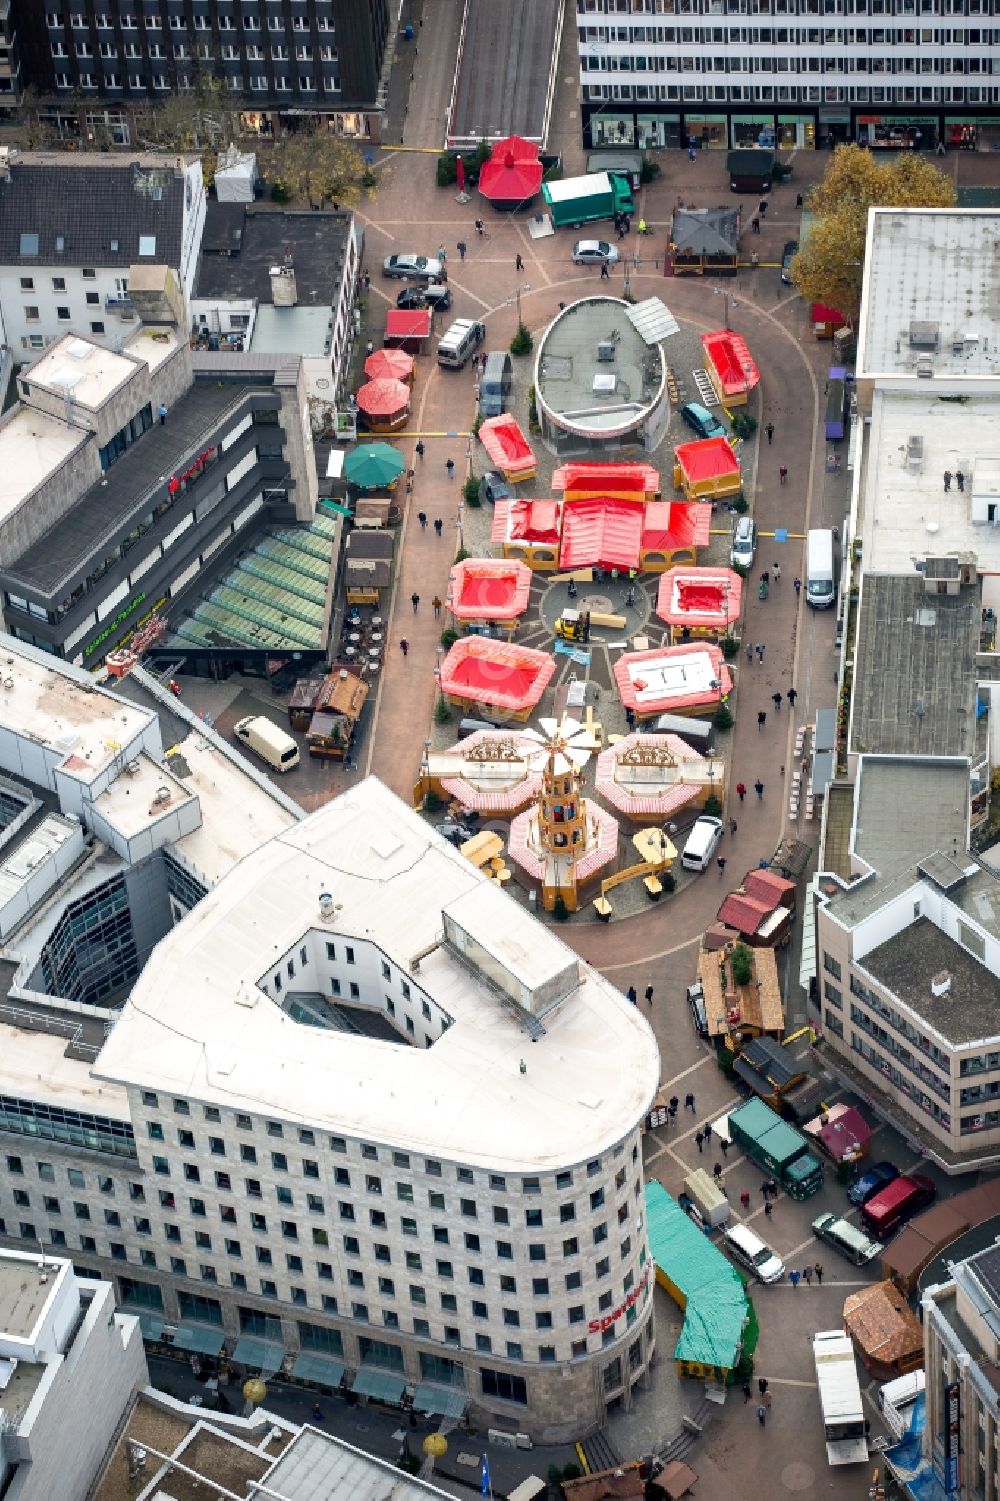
{"x":505,"y":1387}
{"x":832,"y":966}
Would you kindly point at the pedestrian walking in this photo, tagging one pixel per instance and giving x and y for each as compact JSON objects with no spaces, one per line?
{"x":783,"y":474}
{"x":415,"y":601}
{"x":404,"y":646}
{"x":769,"y":429}
{"x":422,"y":518}
{"x":673,"y":1102}
{"x":689,"y":1103}
{"x":442,"y":254}
{"x":317,"y":1413}
{"x":765,"y":1189}
{"x":960,"y":480}
{"x":747,"y":1392}
{"x":436,"y":606}
{"x":793,"y":1278}
{"x":745,"y":1200}
{"x":721,"y":863}
{"x":807,"y":1275}
{"x":741,"y":790}
{"x":765,"y":577}
{"x":707,"y":1127}
{"x":776,"y":570}
{"x":672,"y":1115}
{"x":749,"y":651}
{"x":409,"y":481}
{"x":761,"y":718}
{"x":605,"y":273}
{"x":370,"y":347}
{"x":699,"y":1140}
{"x":947,"y":481}
{"x":818,"y":1269}
{"x":762,"y":208}
{"x":632,"y":995}
{"x":438,"y":525}
{"x":776,"y":701}
{"x":518,"y":264}
{"x":367,"y":278}
{"x":754,"y":260}
{"x":768,"y":1209}
{"x":760,"y":652}
{"x":461,"y":247}
{"x":762,"y":1385}
{"x":797,"y":586}
{"x":723,"y":1143}
{"x":758,"y":787}
{"x":755,"y":225}
{"x":649,"y":995}
{"x":762,"y":1415}
{"x":449,"y":464}
{"x":716,"y":1171}
{"x":772,"y":1188}
{"x":420,"y":450}
{"x":792,"y":695}
{"x":767,"y":1400}
{"x":732,"y":826}
{"x":162,"y":414}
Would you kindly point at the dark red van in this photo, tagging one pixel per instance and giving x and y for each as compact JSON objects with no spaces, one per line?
{"x":897,"y":1202}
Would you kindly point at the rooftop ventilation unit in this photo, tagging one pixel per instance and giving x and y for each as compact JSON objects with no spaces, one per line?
{"x":925,"y":367}
{"x":941,"y":984}
{"x":924,"y":335}
{"x":605,"y":352}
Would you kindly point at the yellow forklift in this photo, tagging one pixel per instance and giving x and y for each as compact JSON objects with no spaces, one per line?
{"x":573,"y":625}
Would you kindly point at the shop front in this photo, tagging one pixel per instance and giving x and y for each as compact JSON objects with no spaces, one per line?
{"x":972,"y":134}
{"x":607,"y":129}
{"x":834,"y":127}
{"x":796,"y":133}
{"x":659,"y":131}
{"x":753,"y":130}
{"x":898,"y":132}
{"x":707,"y":132}
{"x":648,"y":132}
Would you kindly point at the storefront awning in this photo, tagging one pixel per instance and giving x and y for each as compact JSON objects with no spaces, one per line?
{"x":384,"y":1386}
{"x":448,"y":1401}
{"x":151,"y":1324}
{"x":324,"y":1370}
{"x":201,"y":1339}
{"x":261,"y":1354}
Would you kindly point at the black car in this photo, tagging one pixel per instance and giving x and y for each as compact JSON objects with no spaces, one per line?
{"x":872,"y":1181}
{"x":435,"y":295}
{"x":791,"y":249}
{"x":493,"y":487}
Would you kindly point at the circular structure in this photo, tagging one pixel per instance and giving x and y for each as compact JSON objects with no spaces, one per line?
{"x":254,"y":1390}
{"x":598,"y":382}
{"x":435,"y":1445}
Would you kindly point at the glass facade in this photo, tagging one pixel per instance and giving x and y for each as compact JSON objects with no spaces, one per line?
{"x":186,"y":890}
{"x":73,"y":1128}
{"x":91,"y":953}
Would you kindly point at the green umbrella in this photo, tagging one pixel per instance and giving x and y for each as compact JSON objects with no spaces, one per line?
{"x":373,"y":465}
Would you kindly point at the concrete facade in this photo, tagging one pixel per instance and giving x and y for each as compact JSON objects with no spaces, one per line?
{"x":961,"y":1347}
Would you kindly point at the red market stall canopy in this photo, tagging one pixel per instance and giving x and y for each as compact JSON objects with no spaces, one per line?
{"x":507,"y":447}
{"x":389,"y":364}
{"x":489,"y":589}
{"x":404,"y":326}
{"x":578,"y":481}
{"x":508,"y":677}
{"x":669,"y":526}
{"x":504,"y":179}
{"x":706,"y":460}
{"x":820,"y":313}
{"x":383,"y":398}
{"x":729,"y":358}
{"x":526,"y":521}
{"x":521,"y":149}
{"x":700,"y":598}
{"x":601,"y":533}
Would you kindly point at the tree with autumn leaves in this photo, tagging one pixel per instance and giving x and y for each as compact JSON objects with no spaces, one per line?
{"x":829,"y":268}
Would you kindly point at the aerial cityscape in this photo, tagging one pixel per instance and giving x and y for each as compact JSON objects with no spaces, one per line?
{"x":499,"y":750}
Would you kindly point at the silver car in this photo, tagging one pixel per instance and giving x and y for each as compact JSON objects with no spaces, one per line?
{"x":594,"y":253}
{"x":412,"y":267}
{"x":744,"y":543}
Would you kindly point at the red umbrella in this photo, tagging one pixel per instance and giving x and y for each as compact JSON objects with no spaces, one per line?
{"x":517,"y":147}
{"x":506,"y":180}
{"x":383,"y":398}
{"x":460,"y":171}
{"x":390,"y":364}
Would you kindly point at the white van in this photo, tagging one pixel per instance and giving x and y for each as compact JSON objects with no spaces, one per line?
{"x":896,"y":1400}
{"x":273,"y":745}
{"x":746,"y":1247}
{"x":821,"y":590}
{"x":702,"y":842}
{"x":462,"y":340}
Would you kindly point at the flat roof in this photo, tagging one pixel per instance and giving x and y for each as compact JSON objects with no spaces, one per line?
{"x":915,"y":669}
{"x":907,"y":807}
{"x":74,"y":370}
{"x":930,"y":289}
{"x":33,"y":446}
{"x":21,"y":857}
{"x":907,"y":516}
{"x":23,"y":1296}
{"x":143,"y":793}
{"x":318,"y":1467}
{"x":60,"y":707}
{"x":502,"y":75}
{"x":198,"y":1019}
{"x":906,"y":963}
{"x":33,"y":1066}
{"x":316,"y":242}
{"x":66,"y":547}
{"x":568,"y":366}
{"x":292,"y":330}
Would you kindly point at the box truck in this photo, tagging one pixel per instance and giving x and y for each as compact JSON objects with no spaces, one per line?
{"x":580,"y":200}
{"x":776,"y":1147}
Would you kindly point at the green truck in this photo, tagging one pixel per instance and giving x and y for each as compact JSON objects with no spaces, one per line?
{"x":578,"y":200}
{"x":776,"y":1147}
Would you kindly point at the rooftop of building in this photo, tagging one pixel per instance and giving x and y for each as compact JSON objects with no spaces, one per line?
{"x":27,"y":1283}
{"x":33,"y":447}
{"x":34,"y":1066}
{"x":595,"y":371}
{"x":929,"y":294}
{"x":92,"y":209}
{"x":907,"y":963}
{"x":282,"y":330}
{"x":199,"y":1019}
{"x":915,"y":674}
{"x":492,"y":102}
{"x":945,"y":1301}
{"x":64,"y":549}
{"x":907,"y":515}
{"x":79,"y":373}
{"x":239,"y":252}
{"x":985,"y":1268}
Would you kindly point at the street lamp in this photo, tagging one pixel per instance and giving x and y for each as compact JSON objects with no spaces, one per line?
{"x":523,"y":286}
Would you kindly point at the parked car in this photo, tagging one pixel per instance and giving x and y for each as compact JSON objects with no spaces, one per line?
{"x":434,"y":295}
{"x":595,"y":253}
{"x":702,"y":421}
{"x":744,"y":543}
{"x":791,"y":249}
{"x":899,"y":1201}
{"x":746,"y":1247}
{"x":494,"y":487}
{"x":495,"y":384}
{"x":455,"y":833}
{"x":412,"y":267}
{"x":872,"y":1181}
{"x":696,"y":1005}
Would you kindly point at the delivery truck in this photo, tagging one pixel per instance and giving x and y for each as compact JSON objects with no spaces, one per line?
{"x":776,"y":1147}
{"x":708,"y":1198}
{"x":580,"y":200}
